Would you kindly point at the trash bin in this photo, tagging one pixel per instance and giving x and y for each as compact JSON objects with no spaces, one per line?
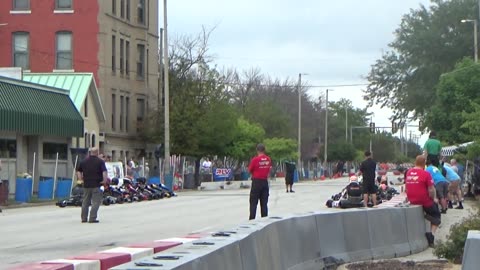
{"x":64,"y":185}
{"x":45,"y":188}
{"x":154,"y":180}
{"x":189,"y":181}
{"x":4,"y":190}
{"x":23,"y":189}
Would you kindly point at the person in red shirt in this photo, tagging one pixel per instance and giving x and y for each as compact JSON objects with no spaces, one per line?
{"x":421,"y":191}
{"x":260,"y":169}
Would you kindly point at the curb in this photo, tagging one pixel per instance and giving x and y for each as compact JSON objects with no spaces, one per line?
{"x":107,"y":259}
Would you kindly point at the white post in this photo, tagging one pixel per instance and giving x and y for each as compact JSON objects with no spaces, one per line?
{"x":33,"y":170}
{"x":143,"y":167}
{"x":73,"y":174}
{"x":55,"y":177}
{"x":125,"y":165}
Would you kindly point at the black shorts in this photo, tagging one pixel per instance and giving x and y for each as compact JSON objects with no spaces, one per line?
{"x":369,"y":187}
{"x":432,"y":214}
{"x":442,"y":190}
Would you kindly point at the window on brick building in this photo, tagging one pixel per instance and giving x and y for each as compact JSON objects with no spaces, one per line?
{"x":114,"y":53}
{"x":122,"y":113}
{"x":141,"y":61}
{"x":122,"y":53}
{"x":114,"y":7}
{"x":122,"y":8}
{"x":114,"y":111}
{"x":141,"y":12}
{"x":64,"y":51}
{"x":63,"y":4}
{"x":21,"y":4}
{"x":140,"y":113}
{"x":128,"y":10}
{"x":127,"y":113}
{"x":127,"y":57}
{"x":20,"y":50}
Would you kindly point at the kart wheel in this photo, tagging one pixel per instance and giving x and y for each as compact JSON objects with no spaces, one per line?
{"x":62,"y":204}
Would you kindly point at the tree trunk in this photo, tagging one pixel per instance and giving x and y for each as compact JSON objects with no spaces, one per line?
{"x":197,"y":172}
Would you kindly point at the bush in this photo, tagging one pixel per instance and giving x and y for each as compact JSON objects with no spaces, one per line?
{"x":452,"y":249}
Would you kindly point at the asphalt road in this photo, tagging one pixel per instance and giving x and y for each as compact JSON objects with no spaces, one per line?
{"x":49,"y":232}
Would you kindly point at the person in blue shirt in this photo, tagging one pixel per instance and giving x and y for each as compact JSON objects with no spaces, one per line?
{"x":441,"y":184}
{"x":454,"y":187}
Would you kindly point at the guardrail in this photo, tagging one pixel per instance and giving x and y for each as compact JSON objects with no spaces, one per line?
{"x":471,"y":260}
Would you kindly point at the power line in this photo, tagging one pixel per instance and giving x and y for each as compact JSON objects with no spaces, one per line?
{"x":79,"y":61}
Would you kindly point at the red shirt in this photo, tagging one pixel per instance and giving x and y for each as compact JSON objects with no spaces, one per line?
{"x":260,"y":167}
{"x":417,"y":183}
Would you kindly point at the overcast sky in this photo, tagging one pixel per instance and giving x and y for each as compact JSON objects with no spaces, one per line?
{"x":334,"y":41}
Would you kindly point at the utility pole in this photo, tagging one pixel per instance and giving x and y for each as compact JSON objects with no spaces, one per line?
{"x":160,"y":72}
{"x":346,"y":123}
{"x":167,"y":94}
{"x":325,"y":155}
{"x":299,"y":141}
{"x":406,"y":139}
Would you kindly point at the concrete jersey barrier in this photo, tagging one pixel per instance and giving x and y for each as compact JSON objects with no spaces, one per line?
{"x":471,"y":260}
{"x":313,"y":241}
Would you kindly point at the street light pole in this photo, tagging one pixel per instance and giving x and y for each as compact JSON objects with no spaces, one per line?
{"x":325,"y":155}
{"x":299,"y":142}
{"x":167,"y":93}
{"x":346,"y":124}
{"x":475,"y":36}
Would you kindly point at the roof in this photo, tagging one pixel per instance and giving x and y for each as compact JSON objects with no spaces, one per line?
{"x":449,"y":151}
{"x":37,"y":110}
{"x":78,"y":86}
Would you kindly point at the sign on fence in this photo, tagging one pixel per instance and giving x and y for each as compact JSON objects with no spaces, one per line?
{"x":114,"y":170}
{"x":222,"y":174}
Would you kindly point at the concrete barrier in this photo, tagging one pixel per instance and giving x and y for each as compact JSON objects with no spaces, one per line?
{"x":159,"y":246}
{"x":209,"y":253}
{"x":415,"y":221}
{"x":388,"y":231}
{"x":471,"y":260}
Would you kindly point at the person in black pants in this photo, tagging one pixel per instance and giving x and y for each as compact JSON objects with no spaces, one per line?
{"x":259,"y":168}
{"x":368,"y":170}
{"x":289,"y":175}
{"x":93,"y":172}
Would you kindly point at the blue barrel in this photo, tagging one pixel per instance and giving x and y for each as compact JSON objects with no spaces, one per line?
{"x":307,"y":174}
{"x":45,"y":188}
{"x":154,"y":180}
{"x":64,"y":185}
{"x":23,"y":189}
{"x":169,"y":181}
{"x":295,"y":176}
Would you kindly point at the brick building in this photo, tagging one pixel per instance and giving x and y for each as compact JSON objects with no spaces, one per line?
{"x":116,"y":40}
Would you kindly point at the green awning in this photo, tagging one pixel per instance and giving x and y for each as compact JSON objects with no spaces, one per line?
{"x":33,"y":109}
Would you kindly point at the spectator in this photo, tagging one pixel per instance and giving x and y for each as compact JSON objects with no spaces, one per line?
{"x":441,"y":184}
{"x":368,"y":170}
{"x":147,"y":171}
{"x":93,"y":172}
{"x":432,"y":149}
{"x":421,"y":191}
{"x":454,"y":187}
{"x":259,"y":168}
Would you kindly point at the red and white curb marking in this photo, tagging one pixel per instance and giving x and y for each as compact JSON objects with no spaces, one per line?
{"x":107,"y":259}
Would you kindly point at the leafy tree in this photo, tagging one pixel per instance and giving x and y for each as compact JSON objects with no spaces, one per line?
{"x":342,"y":152}
{"x":473,"y":151}
{"x":247,"y":136}
{"x":428,"y":43}
{"x":280,"y":149}
{"x":454,"y":115}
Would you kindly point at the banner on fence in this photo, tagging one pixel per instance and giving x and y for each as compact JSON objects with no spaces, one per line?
{"x":114,"y":170}
{"x":222,"y":174}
